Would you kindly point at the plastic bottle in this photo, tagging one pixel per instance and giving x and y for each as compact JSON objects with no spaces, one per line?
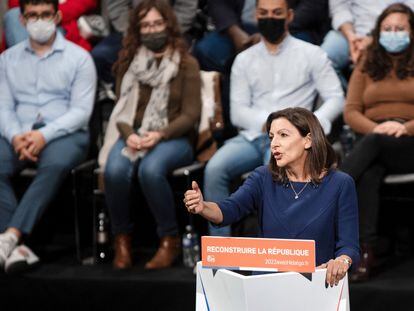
{"x":191,"y":247}
{"x":347,"y":139}
{"x":102,"y":237}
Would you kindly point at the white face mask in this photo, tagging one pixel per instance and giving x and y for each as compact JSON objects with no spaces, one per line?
{"x":41,"y":31}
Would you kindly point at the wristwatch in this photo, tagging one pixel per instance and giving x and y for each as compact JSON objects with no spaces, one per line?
{"x":346,"y":260}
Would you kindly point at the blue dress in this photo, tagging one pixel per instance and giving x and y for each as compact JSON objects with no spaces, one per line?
{"x":325,"y":212}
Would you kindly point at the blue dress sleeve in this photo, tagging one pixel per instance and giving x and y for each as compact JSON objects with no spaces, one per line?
{"x":347,"y":236}
{"x":246,"y":199}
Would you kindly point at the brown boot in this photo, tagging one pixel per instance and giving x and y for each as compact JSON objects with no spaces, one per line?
{"x":122,"y":247}
{"x":167,"y":253}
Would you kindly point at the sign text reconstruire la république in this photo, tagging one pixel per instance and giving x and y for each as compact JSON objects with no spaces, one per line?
{"x":258,"y":254}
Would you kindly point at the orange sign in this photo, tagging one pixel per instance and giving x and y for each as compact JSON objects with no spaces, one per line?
{"x":258,"y":254}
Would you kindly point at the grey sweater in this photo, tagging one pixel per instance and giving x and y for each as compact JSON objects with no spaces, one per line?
{"x":117,"y":12}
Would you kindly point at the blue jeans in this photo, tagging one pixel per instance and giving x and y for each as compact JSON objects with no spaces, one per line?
{"x":105,"y":53}
{"x":152,"y":172}
{"x":236,"y":157}
{"x":13,"y":29}
{"x":215,"y":49}
{"x":337,"y":48}
{"x":55,"y":162}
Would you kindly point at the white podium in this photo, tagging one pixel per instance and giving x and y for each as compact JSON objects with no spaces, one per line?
{"x":289,"y":291}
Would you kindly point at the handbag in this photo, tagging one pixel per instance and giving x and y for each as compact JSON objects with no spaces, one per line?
{"x":211,"y":119}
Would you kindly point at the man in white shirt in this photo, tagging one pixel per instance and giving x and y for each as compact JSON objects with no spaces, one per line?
{"x":277,"y":73}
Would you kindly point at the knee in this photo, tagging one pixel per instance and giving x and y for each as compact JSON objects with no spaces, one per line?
{"x":99,"y":53}
{"x":336,"y":46}
{"x":371,"y":142}
{"x":201,"y":48}
{"x":57,"y":168}
{"x":151,"y":174}
{"x":215,"y":171}
{"x":11,"y":16}
{"x":115,"y":172}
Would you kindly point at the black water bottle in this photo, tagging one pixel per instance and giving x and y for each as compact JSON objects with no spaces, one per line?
{"x":347,"y":138}
{"x":102,"y":236}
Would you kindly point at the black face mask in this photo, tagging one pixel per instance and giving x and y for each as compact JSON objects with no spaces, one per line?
{"x":272,"y":29}
{"x":155,"y":41}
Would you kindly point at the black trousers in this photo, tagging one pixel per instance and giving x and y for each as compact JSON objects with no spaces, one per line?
{"x":374,"y":156}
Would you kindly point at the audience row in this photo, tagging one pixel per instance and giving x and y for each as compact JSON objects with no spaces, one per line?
{"x":267,"y":52}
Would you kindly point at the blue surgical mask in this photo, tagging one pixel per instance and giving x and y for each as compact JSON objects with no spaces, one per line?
{"x":394,"y":41}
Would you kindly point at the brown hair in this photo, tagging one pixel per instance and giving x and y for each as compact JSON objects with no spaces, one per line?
{"x":378,"y":62}
{"x":132,"y":40}
{"x":321,"y":156}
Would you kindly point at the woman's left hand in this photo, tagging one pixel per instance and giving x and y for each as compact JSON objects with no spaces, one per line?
{"x":391,"y":128}
{"x":335,"y":269}
{"x":150,"y":139}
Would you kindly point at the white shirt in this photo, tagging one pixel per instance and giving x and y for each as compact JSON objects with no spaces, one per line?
{"x":262,"y":83}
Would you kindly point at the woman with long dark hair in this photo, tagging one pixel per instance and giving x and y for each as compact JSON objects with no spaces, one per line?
{"x":380,"y":109}
{"x":151,"y":128}
{"x":299,"y":195}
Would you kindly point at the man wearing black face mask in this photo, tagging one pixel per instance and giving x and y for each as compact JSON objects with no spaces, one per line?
{"x":236,"y":28}
{"x":272,"y":29}
{"x":278,"y":72}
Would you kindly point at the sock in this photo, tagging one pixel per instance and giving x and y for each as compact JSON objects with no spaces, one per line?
{"x":11,"y":237}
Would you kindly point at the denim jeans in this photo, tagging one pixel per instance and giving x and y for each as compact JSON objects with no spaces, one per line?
{"x":216,"y":48}
{"x":55,"y":162}
{"x":236,"y":157}
{"x":105,"y":53}
{"x":13,"y":29}
{"x":337,"y":48}
{"x":152,"y":171}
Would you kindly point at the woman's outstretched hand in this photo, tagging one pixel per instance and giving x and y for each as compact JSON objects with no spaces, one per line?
{"x":335,"y":270}
{"x":193,"y":199}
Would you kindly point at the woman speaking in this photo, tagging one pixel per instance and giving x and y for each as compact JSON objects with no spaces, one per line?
{"x":299,"y":195}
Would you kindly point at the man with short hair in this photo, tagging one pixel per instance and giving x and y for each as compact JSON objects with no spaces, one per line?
{"x":236,"y":29}
{"x":278,"y":72}
{"x":47,"y":89}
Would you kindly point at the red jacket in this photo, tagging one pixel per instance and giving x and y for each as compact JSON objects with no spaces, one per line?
{"x":71,"y":11}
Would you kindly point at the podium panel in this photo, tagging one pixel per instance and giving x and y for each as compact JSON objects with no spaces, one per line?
{"x":224,"y":290}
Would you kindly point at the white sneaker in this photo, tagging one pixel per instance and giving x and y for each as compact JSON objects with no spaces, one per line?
{"x":22,"y":258}
{"x":8,"y":242}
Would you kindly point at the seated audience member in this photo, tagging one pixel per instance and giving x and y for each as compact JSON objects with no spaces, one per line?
{"x":71,"y":10}
{"x":105,"y":53}
{"x":352,"y":23}
{"x":380,"y":108}
{"x":279,"y":72}
{"x":236,"y":28}
{"x":299,"y":195}
{"x":47,"y":89}
{"x":151,"y":128}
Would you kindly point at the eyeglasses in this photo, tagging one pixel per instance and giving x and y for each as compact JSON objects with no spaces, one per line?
{"x":44,"y":16}
{"x":156,"y":25}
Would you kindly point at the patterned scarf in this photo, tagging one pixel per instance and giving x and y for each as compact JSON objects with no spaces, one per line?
{"x":142,"y":70}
